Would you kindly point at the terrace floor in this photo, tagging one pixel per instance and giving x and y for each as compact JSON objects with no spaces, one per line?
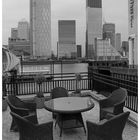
{"x":130,"y":131}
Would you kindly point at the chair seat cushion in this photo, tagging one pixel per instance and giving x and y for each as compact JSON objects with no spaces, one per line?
{"x":108,"y":109}
{"x":105,"y":111}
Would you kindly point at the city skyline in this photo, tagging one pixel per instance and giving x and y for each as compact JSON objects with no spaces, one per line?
{"x":112,"y":14}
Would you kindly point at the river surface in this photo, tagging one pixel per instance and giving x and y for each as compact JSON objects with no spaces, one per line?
{"x":65,"y":68}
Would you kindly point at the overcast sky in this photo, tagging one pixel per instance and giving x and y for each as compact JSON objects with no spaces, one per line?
{"x":114,"y":11}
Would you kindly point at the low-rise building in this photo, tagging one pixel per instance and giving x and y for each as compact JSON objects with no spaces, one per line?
{"x":105,"y":51}
{"x":19,"y":46}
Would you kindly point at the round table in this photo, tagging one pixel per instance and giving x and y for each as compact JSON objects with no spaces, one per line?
{"x":69,"y":108}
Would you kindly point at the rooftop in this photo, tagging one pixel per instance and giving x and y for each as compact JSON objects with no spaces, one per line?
{"x":130,"y":131}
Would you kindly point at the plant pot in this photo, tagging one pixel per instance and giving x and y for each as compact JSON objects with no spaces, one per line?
{"x":4,"y":105}
{"x":78,"y":91}
{"x":39,"y":102}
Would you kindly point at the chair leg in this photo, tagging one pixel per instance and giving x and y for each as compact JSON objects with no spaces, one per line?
{"x":14,"y":126}
{"x":55,"y":123}
{"x":57,"y":119}
{"x":61,"y":127}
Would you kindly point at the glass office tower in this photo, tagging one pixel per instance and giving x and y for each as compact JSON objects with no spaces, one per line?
{"x":40,"y":21}
{"x":94,"y":25}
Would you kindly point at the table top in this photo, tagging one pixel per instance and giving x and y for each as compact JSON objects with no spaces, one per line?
{"x":69,"y":104}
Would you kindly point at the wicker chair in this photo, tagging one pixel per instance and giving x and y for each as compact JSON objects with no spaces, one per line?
{"x":21,"y":108}
{"x":111,"y":129}
{"x":114,"y":103}
{"x":57,"y":93}
{"x":30,"y":131}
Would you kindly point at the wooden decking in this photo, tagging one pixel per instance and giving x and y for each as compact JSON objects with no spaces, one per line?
{"x":129,"y":133}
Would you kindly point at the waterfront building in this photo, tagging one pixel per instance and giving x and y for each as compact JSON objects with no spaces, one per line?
{"x":19,"y":42}
{"x":14,"y":33}
{"x":79,"y":51}
{"x":118,"y":41}
{"x":133,"y":31}
{"x":125,"y":48}
{"x":94,"y":25}
{"x":19,"y":46}
{"x":40,"y":22}
{"x":66,"y":38}
{"x":109,"y":32}
{"x":105,"y":51}
{"x":23,"y":30}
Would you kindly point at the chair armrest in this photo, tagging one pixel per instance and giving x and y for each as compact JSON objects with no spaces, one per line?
{"x":31,"y":106}
{"x":91,"y":126}
{"x":104,"y":103}
{"x":32,"y":118}
{"x":118,"y":108}
{"x":21,"y":109}
{"x":45,"y":128}
{"x":109,"y":116}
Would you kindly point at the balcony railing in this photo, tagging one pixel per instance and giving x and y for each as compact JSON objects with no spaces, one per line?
{"x":25,"y":85}
{"x":108,"y":84}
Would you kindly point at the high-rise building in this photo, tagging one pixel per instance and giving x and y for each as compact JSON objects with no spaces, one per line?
{"x":67,"y":38}
{"x":79,"y":51}
{"x":109,"y":32}
{"x":14,"y":33}
{"x":40,"y":20}
{"x":133,"y":31}
{"x":125,"y":48}
{"x":118,"y":41}
{"x":23,"y":30}
{"x":94,"y":25}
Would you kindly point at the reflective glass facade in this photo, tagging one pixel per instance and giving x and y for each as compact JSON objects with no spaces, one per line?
{"x":40,"y":18}
{"x":94,"y":26}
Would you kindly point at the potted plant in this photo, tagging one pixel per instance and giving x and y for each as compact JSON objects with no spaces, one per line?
{"x":39,"y":98}
{"x":78,"y":79}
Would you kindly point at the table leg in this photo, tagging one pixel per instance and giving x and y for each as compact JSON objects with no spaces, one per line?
{"x":61,"y":125}
{"x":81,"y":121}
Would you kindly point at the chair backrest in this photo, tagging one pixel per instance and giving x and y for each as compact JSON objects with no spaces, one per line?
{"x":116,"y":124}
{"x":118,"y":96}
{"x":59,"y":92}
{"x":30,"y":131}
{"x":15,"y":101}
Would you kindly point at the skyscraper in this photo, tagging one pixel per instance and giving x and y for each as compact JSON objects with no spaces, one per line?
{"x":125,"y":48}
{"x":40,"y":20}
{"x":133,"y":31}
{"x":109,"y":32}
{"x":118,"y":41}
{"x":23,"y":30}
{"x":14,"y":33}
{"x":79,"y":51}
{"x":67,"y":31}
{"x":94,"y":25}
{"x":67,"y":38}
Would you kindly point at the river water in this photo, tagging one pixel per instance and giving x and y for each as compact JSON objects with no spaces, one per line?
{"x":65,"y":68}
